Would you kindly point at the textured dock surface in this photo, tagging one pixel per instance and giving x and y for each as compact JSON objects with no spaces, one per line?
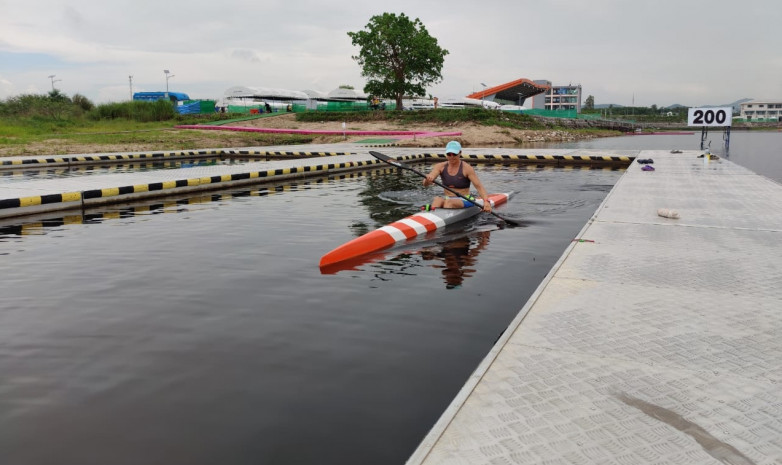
{"x":652,"y":341}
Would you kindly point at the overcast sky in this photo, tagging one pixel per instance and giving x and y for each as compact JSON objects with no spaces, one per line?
{"x":662,"y":52}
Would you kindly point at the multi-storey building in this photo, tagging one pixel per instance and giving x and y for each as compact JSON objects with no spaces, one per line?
{"x":557,"y":97}
{"x":762,"y":110}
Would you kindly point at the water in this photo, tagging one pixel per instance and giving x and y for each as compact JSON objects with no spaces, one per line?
{"x":201,"y":331}
{"x":24,"y":174}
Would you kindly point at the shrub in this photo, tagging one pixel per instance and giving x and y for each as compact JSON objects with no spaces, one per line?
{"x":82,"y":102}
{"x":136,"y":110}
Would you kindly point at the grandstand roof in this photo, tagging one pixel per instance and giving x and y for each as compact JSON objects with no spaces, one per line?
{"x":510,"y":91}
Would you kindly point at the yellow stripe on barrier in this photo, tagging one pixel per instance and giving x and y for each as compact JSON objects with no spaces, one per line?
{"x":109,"y":192}
{"x":71,"y":197}
{"x":29,"y":201}
{"x":141,"y":188}
{"x":225,"y":178}
{"x":169,"y":184}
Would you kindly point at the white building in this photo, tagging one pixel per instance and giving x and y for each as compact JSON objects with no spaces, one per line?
{"x":762,"y":110}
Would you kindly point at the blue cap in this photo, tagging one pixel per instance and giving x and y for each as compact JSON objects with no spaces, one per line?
{"x":453,"y":147}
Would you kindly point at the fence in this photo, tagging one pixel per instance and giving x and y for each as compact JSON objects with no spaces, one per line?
{"x":192,"y":107}
{"x":571,"y":114}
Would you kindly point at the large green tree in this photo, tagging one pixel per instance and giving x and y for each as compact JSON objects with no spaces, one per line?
{"x":398,"y":56}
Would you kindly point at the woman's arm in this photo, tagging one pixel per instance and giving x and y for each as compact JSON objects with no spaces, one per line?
{"x":436,"y":170}
{"x":473,"y":177}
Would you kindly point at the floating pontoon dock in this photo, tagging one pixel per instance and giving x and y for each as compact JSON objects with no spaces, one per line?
{"x":653,"y":340}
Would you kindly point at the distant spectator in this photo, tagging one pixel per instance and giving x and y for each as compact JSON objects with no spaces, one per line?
{"x":435,"y":103}
{"x":268,"y":108}
{"x":289,"y":108}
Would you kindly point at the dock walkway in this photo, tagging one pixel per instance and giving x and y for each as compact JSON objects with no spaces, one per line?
{"x":651,"y":341}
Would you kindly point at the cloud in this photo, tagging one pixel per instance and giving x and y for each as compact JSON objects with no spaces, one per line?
{"x":693,"y":52}
{"x":246,"y":55}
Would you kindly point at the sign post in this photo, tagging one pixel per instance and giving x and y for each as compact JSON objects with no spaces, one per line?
{"x":711,"y":117}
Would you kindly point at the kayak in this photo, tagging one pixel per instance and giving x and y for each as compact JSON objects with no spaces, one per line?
{"x":406,"y":229}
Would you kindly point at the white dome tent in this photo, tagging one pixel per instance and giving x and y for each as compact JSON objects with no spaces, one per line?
{"x":348,"y":95}
{"x":278,"y":99}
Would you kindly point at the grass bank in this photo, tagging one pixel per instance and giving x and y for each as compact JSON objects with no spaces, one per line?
{"x":45,"y":136}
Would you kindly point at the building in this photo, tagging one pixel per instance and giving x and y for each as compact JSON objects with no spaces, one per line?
{"x":557,"y":97}
{"x":534,"y":95}
{"x":510,"y":93}
{"x":154,"y":96}
{"x":762,"y":111}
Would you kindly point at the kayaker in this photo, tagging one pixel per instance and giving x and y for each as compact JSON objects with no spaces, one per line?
{"x":457,"y":175}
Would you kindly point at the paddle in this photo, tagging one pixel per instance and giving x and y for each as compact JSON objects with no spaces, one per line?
{"x":399,"y":164}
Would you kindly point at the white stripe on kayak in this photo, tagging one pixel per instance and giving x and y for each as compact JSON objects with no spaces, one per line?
{"x":433,"y":218}
{"x":419,"y":228}
{"x":395,"y":233}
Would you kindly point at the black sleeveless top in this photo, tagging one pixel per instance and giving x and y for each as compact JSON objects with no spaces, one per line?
{"x":457,"y":181}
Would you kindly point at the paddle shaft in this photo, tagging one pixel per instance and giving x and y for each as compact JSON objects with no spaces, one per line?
{"x":399,"y":164}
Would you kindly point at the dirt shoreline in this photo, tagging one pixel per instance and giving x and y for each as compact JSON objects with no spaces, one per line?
{"x":472,"y":136}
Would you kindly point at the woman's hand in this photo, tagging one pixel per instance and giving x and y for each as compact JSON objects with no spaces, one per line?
{"x":486,"y":205}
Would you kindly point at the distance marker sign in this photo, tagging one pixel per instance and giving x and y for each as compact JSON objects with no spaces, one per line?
{"x":720,"y":116}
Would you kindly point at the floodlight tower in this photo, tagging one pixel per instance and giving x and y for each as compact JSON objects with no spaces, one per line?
{"x":54,"y":80}
{"x":168,"y":76}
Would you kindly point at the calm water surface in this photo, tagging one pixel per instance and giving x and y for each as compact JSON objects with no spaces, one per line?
{"x":201,"y":331}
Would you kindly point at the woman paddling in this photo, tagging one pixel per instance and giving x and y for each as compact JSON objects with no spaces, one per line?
{"x":457,"y":175}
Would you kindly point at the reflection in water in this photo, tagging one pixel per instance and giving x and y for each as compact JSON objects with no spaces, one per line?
{"x":458,"y":258}
{"x":27,"y":173}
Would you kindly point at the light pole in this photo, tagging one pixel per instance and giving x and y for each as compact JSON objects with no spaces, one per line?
{"x":54,"y":80}
{"x":130,"y":79}
{"x":483,"y":94}
{"x":167,"y":78}
{"x":520,"y":94}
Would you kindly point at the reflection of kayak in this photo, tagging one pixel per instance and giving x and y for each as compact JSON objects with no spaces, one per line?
{"x":405,"y":229}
